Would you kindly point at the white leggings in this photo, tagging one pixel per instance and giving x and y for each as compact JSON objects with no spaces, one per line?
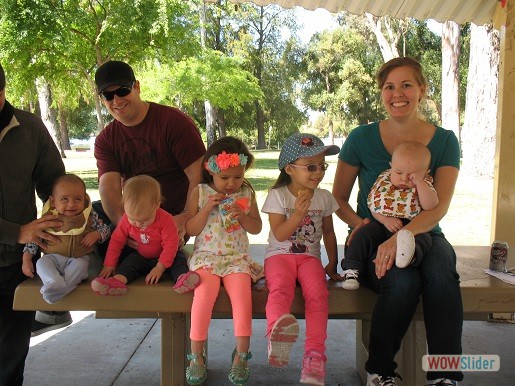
{"x":60,"y":274}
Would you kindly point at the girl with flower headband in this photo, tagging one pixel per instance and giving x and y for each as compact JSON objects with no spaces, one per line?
{"x":300,"y":215}
{"x":223,"y":209}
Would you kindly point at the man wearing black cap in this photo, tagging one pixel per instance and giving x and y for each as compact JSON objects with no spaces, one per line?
{"x":28,"y":159}
{"x":144,"y":138}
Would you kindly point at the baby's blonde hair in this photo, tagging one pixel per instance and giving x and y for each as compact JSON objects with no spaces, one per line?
{"x":140,"y":193}
{"x":414,"y":149}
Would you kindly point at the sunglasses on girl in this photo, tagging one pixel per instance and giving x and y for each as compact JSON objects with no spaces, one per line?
{"x":312,"y":168}
{"x":120,"y":92}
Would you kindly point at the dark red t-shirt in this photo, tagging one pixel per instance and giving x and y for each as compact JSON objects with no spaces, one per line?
{"x":162,"y":146}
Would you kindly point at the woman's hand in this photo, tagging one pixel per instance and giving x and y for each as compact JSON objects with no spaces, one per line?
{"x":385,"y":256}
{"x":364,"y":222}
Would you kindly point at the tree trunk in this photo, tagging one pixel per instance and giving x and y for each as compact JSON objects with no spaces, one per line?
{"x":451,"y":77}
{"x":260,"y":123}
{"x":63,"y":129}
{"x":220,"y":122}
{"x":100,"y":119}
{"x":331,"y":131}
{"x":48,"y":114}
{"x":258,"y":73}
{"x":479,"y":128}
{"x":209,"y":109}
{"x":330,"y":126}
{"x":210,"y":122}
{"x":388,"y":46}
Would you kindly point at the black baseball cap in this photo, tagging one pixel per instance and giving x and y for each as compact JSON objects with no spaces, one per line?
{"x":114,"y":73}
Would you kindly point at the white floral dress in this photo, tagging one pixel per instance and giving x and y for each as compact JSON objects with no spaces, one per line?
{"x":218,"y":250}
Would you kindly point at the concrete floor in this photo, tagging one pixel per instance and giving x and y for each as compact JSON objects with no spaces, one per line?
{"x":117,"y":352}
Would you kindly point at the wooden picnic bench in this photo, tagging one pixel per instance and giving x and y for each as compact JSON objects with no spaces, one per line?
{"x":482,"y":294}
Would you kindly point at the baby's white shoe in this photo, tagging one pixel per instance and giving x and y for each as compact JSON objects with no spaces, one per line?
{"x":405,"y":248}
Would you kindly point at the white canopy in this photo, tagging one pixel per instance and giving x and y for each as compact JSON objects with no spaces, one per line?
{"x":461,"y":11}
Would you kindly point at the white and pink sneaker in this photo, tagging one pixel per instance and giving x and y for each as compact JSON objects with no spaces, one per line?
{"x":282,"y":337}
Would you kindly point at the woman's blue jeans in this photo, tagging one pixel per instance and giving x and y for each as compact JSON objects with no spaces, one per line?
{"x":437,"y":283}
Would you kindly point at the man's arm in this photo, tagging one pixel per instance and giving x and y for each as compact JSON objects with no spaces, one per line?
{"x":110,"y":189}
{"x":193,"y":172}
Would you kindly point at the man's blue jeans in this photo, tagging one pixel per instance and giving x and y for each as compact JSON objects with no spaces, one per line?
{"x":437,"y":282}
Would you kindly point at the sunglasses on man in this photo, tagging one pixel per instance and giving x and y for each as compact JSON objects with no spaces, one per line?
{"x":120,"y":92}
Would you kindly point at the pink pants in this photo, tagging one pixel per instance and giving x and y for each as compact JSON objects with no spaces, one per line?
{"x":238,"y":287}
{"x":282,"y":273}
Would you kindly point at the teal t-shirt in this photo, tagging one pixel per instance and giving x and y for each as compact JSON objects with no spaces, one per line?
{"x":365,"y":149}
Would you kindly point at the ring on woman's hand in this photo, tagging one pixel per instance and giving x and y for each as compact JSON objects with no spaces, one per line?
{"x":387,"y":257}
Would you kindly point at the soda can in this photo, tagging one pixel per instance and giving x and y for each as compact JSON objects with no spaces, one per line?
{"x":498,"y":256}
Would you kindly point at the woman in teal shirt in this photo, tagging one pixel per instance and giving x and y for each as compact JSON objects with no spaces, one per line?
{"x":364,"y":155}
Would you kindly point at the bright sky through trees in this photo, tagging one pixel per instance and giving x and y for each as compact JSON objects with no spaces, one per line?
{"x":321,"y":19}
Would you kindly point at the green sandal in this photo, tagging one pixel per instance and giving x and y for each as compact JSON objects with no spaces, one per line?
{"x":240,"y":372}
{"x":196,"y":373}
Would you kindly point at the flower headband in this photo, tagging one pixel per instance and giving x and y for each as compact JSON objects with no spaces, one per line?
{"x":223,"y":161}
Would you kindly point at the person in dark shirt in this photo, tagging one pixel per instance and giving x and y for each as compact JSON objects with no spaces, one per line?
{"x":144,"y":138}
{"x":28,"y":158}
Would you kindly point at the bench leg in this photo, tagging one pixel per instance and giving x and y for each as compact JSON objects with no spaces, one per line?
{"x":362,"y":338}
{"x":174,"y":343}
{"x":413,"y":348}
{"x":409,"y":357}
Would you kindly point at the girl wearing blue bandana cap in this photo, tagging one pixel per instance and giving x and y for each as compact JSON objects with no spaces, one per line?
{"x":300,"y":215}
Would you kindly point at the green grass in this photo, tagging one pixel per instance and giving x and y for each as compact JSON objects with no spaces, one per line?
{"x":466,"y":223}
{"x":263,"y":173}
{"x":90,"y":177}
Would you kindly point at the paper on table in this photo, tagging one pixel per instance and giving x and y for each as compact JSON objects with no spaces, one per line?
{"x":506,"y":277}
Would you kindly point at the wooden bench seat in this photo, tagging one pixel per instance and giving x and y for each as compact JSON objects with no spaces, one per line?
{"x":482,"y":294}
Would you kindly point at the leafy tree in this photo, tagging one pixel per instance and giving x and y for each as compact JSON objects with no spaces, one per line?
{"x":340,"y":80}
{"x":261,"y":44}
{"x":425,"y":46}
{"x":65,"y":41}
{"x":213,"y":76}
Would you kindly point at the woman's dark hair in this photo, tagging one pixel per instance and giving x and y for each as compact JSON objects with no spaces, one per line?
{"x":229,"y":145}
{"x":394,"y":63}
